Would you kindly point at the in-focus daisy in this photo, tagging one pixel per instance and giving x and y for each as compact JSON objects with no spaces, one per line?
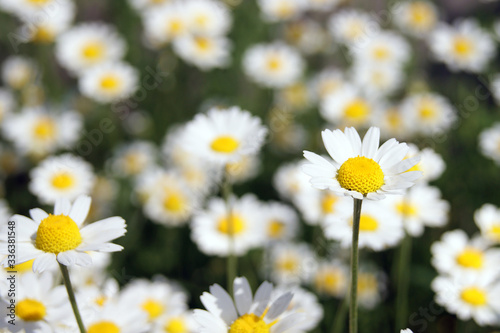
{"x":245,"y":312}
{"x":133,"y":158}
{"x":207,"y":17}
{"x":61,"y":236}
{"x":65,"y":176}
{"x":109,"y":82}
{"x":463,"y":46}
{"x":489,"y":143}
{"x":417,"y":18}
{"x":352,"y":26}
{"x":290,"y":263}
{"x":223,"y":135}
{"x":205,"y":52}
{"x":331,"y":278}
{"x":274,"y":65}
{"x":18,"y":72}
{"x":281,"y":221}
{"x":281,"y":10}
{"x":361,"y":169}
{"x":487,"y":219}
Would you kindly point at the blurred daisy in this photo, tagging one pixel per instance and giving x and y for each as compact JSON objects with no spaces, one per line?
{"x":177,"y":322}
{"x":133,"y":158}
{"x":223,"y":135}
{"x":207,"y":17}
{"x":428,"y":113}
{"x":331,"y":278}
{"x":205,"y":52}
{"x":464,"y":46}
{"x":361,"y":169}
{"x":30,"y":8}
{"x":371,"y":287}
{"x":416,"y":18}
{"x":164,"y":23}
{"x":95,"y":276}
{"x":322,"y":5}
{"x":216,"y":234}
{"x":87,"y":45}
{"x":281,"y":10}
{"x":431,"y":163}
{"x":316,"y":205}
{"x":327,"y":82}
{"x":487,"y":219}
{"x":246,"y":312}
{"x":476,"y":297}
{"x":18,"y":72}
{"x":281,"y":221}
{"x":295,"y":97}
{"x":289,"y":180}
{"x":456,"y":255}
{"x":306,"y":35}
{"x":61,"y":236}
{"x":382,"y":48}
{"x":7,"y":103}
{"x":421,"y":206}
{"x":61,"y":177}
{"x":352,"y":26}
{"x":247,"y":167}
{"x":274,"y":65}
{"x":92,"y":297}
{"x":109,"y":82}
{"x":142,"y":5}
{"x":377,"y":81}
{"x":290,"y":263}
{"x":391,"y":122}
{"x":489,"y":143}
{"x":44,"y":132}
{"x":379,"y":228}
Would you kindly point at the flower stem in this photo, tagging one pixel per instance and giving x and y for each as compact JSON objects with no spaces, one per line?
{"x":71,"y":295}
{"x":353,"y":305}
{"x":232,"y":262}
{"x":403,"y":279}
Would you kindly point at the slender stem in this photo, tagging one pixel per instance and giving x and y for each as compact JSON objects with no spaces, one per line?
{"x":232,"y":262}
{"x":403,"y":279}
{"x":353,"y":306}
{"x":71,"y":295}
{"x":339,"y":321}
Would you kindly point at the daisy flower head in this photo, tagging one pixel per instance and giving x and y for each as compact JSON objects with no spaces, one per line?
{"x":315,"y":205}
{"x":281,"y":221}
{"x":416,"y":18}
{"x":176,"y":322}
{"x":464,"y":46}
{"x":381,"y":48}
{"x":62,"y":237}
{"x":289,"y":180}
{"x":431,"y":163}
{"x":164,"y":23}
{"x":133,"y":158}
{"x":361,"y":169}
{"x":326,"y":82}
{"x":306,"y":35}
{"x":487,"y":219}
{"x":109,"y":82}
{"x":18,"y":72}
{"x":203,"y":51}
{"x":489,"y":143}
{"x":290,"y":263}
{"x":274,"y":65}
{"x":244,"y":312}
{"x":207,"y":17}
{"x":331,"y":278}
{"x":389,"y":118}
{"x":222,"y":136}
{"x":7,"y":103}
{"x":239,"y":171}
{"x":61,"y":177}
{"x":281,"y":10}
{"x":351,"y":26}
{"x":372,"y":285}
{"x":377,"y":80}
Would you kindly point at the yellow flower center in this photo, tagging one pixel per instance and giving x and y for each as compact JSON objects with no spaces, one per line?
{"x":38,"y":2}
{"x":296,"y":95}
{"x":274,"y":63}
{"x":381,"y":53}
{"x":328,"y":203}
{"x":367,"y":283}
{"x":494,"y":232}
{"x":176,"y":26}
{"x":357,"y":110}
{"x":360,"y":174}
{"x":470,"y":258}
{"x":427,"y":112}
{"x":30,"y":310}
{"x":367,"y":223}
{"x":174,"y":202}
{"x":24,"y":267}
{"x":236,"y":226}
{"x":474,"y":296}
{"x":57,"y":233}
{"x":201,"y":20}
{"x":462,"y":46}
{"x":421,"y":14}
{"x":284,"y":9}
{"x":288,"y":264}
{"x":63,"y":180}
{"x":101,"y":300}
{"x":225,"y":144}
{"x":153,"y":308}
{"x":329,"y":281}
{"x":203,"y":44}
{"x":43,"y":35}
{"x":93,"y":51}
{"x":110,"y":82}
{"x":406,"y":209}
{"x":45,"y":129}
{"x":394,"y":119}
{"x":250,"y":323}
{"x":103,"y":327}
{"x":175,"y":325}
{"x":275,"y":229}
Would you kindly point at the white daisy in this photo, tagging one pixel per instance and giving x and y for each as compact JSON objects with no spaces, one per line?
{"x":223,"y":135}
{"x":246,"y":312}
{"x":96,"y":276}
{"x":322,"y":5}
{"x":290,"y":263}
{"x":133,"y":158}
{"x":306,"y":35}
{"x":216,"y":234}
{"x":61,"y":236}
{"x":294,"y":97}
{"x":281,"y":10}
{"x":109,"y":82}
{"x":164,"y":23}
{"x":331,"y":278}
{"x":177,"y":322}
{"x":207,"y":17}
{"x":7,"y":103}
{"x":18,"y":72}
{"x":87,"y":45}
{"x":489,"y":143}
{"x":379,"y":227}
{"x":391,"y":122}
{"x":431,"y":163}
{"x":281,"y":221}
{"x":351,"y":26}
{"x":377,"y":80}
{"x":416,"y":18}
{"x":205,"y":52}
{"x":246,"y":168}
{"x":372,"y":285}
{"x":289,"y":180}
{"x":274,"y":65}
{"x":316,"y":205}
{"x":487,"y":219}
{"x":362,"y":170}
{"x":464,"y":46}
{"x":65,"y":176}
{"x":382,"y":48}
{"x":456,"y":255}
{"x":326,"y":83}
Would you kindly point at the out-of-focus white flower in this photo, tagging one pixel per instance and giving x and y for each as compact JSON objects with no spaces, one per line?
{"x":416,"y":18}
{"x":18,"y":71}
{"x":281,"y":222}
{"x":281,"y":10}
{"x":489,"y":143}
{"x":352,"y":26}
{"x":487,"y":219}
{"x":205,"y":52}
{"x":381,"y":48}
{"x":306,"y":35}
{"x":331,"y":278}
{"x":207,"y":17}
{"x":290,"y":263}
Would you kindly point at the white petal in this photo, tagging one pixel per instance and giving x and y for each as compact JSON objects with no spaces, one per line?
{"x":384,"y":148}
{"x":38,"y":215}
{"x":242,"y":295}
{"x":62,"y":206}
{"x":101,"y":247}
{"x":405,"y":165}
{"x":80,"y":209}
{"x":353,"y":137}
{"x":292,"y":320}
{"x":70,"y":258}
{"x":261,"y":298}
{"x":209,"y":321}
{"x":393,"y":156}
{"x":44,"y":262}
{"x":104,"y":230}
{"x":279,"y":306}
{"x":25,"y":227}
{"x":337,"y":145}
{"x":224,"y":302}
{"x":371,"y":142}
{"x":319,"y":160}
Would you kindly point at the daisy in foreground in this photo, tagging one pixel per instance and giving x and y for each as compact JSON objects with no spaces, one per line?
{"x":247,"y":313}
{"x":361,"y":169}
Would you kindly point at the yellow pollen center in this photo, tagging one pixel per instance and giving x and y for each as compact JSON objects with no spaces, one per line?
{"x":494,"y":232}
{"x":176,"y":26}
{"x":360,"y":174}
{"x":329,"y":281}
{"x":462,"y":46}
{"x":274,"y":63}
{"x":275,"y":229}
{"x":236,"y":226}
{"x":225,"y":144}
{"x":204,"y":44}
{"x":57,"y":233}
{"x":427,"y":112}
{"x":101,"y":300}
{"x":110,"y":82}
{"x":381,"y":53}
{"x":175,"y":325}
{"x":357,"y":110}
{"x":367,"y":223}
{"x":30,"y":310}
{"x":45,"y":129}
{"x":93,"y":51}
{"x":43,"y":35}
{"x":62,"y":180}
{"x":250,"y":323}
{"x":38,"y":2}
{"x":328,"y":203}
{"x":201,"y":20}
{"x":474,"y":296}
{"x":288,"y":264}
{"x":470,"y":258}
{"x":421,"y":14}
{"x":24,"y":267}
{"x":103,"y":327}
{"x":406,"y":209}
{"x":284,"y":10}
{"x":367,"y":283}
{"x":174,"y":203}
{"x":153,"y":308}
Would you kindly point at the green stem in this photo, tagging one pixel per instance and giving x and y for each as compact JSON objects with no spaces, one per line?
{"x":232,"y":262}
{"x":338,"y":323}
{"x":71,"y":295}
{"x":353,"y":305}
{"x":403,"y":279}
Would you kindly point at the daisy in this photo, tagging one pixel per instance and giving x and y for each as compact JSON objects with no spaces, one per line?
{"x":431,"y":163}
{"x":362,"y":170}
{"x":274,"y":65}
{"x":331,"y":278}
{"x":281,"y":221}
{"x":290,"y":263}
{"x":7,"y":103}
{"x":295,"y":97}
{"x":142,"y":5}
{"x":96,"y":276}
{"x":416,"y":18}
{"x":377,"y":80}
{"x":109,"y":82}
{"x":487,"y":219}
{"x":421,"y":206}
{"x":166,"y":22}
{"x":371,"y":286}
{"x":456,"y":255}
{"x":87,"y":45}
{"x":326,"y":83}
{"x":246,"y":312}
{"x":207,"y":17}
{"x":289,"y":180}
{"x":316,"y":205}
{"x":223,"y":135}
{"x":379,"y":228}
{"x":44,"y":132}
{"x":322,"y":5}
{"x":93,"y":297}
{"x":177,"y":322}
{"x":390,"y":120}
{"x":281,"y":10}
{"x":133,"y":158}
{"x":215,"y":234}
{"x":30,"y":8}
{"x":205,"y":52}
{"x":61,"y":177}
{"x":308,"y":36}
{"x":382,"y":48}
{"x":61,"y":236}
{"x":476,"y":297}
{"x":352,"y":26}
{"x":18,"y":72}
{"x":489,"y":143}
{"x":464,"y":46}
